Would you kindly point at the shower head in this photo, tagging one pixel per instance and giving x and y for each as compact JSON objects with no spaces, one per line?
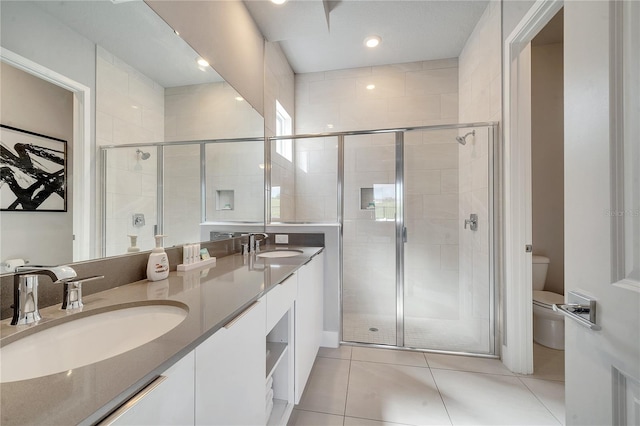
{"x":462,"y":140}
{"x":143,"y":155}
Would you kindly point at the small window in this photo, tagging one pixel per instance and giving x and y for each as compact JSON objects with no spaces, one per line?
{"x":284,"y":127}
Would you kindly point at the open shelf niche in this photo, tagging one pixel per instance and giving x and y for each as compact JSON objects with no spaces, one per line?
{"x":279,"y":363}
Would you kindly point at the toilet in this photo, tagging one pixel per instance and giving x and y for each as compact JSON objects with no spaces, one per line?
{"x":548,"y":326}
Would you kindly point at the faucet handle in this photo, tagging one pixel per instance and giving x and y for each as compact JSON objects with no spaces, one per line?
{"x":72,"y":298}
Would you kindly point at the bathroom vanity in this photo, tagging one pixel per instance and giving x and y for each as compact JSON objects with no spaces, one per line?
{"x":251,"y":325}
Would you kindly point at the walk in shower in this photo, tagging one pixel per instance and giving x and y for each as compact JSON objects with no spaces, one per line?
{"x":416,"y":213}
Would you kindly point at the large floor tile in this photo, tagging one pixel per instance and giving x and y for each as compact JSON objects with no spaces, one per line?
{"x":310,"y":418}
{"x":354,"y":421}
{"x":394,"y":393}
{"x":389,"y":356}
{"x":326,"y":389}
{"x":550,"y":393}
{"x":467,"y":363}
{"x":490,"y":399}
{"x":341,"y":352}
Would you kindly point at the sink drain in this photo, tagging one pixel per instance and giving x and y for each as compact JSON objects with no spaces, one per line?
{"x":373,"y":329}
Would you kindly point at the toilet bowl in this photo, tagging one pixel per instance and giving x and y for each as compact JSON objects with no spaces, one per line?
{"x":548,"y":325}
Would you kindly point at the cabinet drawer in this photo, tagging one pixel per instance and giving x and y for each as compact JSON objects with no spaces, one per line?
{"x":280,"y":299}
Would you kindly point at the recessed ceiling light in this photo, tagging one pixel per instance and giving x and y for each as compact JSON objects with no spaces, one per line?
{"x":330,"y":126}
{"x":278,"y":1}
{"x":202,"y":62}
{"x":372,"y":41}
{"x":239,"y":98}
{"x":371,"y":86}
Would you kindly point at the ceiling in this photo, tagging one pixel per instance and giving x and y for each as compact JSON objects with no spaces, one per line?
{"x":318,"y":35}
{"x":137,"y":35}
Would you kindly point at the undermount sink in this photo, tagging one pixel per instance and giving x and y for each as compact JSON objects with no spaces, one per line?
{"x":280,"y":253}
{"x":86,"y":340}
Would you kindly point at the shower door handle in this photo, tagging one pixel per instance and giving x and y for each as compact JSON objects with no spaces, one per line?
{"x":404,"y":234}
{"x":472,"y":222}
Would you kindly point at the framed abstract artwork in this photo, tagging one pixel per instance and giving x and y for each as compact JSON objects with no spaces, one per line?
{"x":33,"y":171}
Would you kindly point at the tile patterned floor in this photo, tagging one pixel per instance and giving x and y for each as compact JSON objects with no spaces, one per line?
{"x":356,"y":386}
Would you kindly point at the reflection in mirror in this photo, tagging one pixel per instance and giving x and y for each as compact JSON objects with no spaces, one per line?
{"x":147,"y":88}
{"x":235,"y":173}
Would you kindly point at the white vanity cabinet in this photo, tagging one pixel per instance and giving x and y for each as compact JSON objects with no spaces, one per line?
{"x":168,"y":400}
{"x":230,"y":371}
{"x":308,"y":320}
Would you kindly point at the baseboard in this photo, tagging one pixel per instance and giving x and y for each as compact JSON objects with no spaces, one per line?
{"x":330,"y":339}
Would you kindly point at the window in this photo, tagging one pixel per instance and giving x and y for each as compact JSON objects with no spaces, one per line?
{"x":284,"y":127}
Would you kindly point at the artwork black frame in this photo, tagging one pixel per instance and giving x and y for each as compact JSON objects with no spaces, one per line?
{"x":33,"y":171}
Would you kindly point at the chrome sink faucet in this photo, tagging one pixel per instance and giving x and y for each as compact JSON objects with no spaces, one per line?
{"x":254,"y":243}
{"x":25,"y":290}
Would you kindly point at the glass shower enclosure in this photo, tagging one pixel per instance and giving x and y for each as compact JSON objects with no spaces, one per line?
{"x":417,"y":239}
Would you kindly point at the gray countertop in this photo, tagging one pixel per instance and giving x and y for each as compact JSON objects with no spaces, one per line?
{"x":84,"y":395}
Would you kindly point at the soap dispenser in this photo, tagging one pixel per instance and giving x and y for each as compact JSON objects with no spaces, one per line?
{"x":158,"y":266}
{"x":133,"y":248}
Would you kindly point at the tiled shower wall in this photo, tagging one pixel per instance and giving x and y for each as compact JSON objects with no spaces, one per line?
{"x":410,"y":94}
{"x":480,"y":100}
{"x":129,"y":109}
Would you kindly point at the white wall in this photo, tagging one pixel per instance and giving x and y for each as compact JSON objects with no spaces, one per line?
{"x":208,"y":111}
{"x":547,"y":159}
{"x":34,"y":105}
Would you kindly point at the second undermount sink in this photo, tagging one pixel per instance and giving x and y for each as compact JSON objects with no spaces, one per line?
{"x":280,"y":253}
{"x":86,"y":340}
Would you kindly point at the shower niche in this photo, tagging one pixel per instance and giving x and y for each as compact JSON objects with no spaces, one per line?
{"x":224,"y":199}
{"x":380,"y":199}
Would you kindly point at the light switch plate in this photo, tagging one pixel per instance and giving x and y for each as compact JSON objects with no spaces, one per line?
{"x":282,"y":239}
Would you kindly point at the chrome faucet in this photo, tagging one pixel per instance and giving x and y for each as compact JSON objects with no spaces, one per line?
{"x":25,"y":290}
{"x":253,"y":244}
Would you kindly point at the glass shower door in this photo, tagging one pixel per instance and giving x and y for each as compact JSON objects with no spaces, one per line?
{"x":369,"y":239}
{"x":447,"y":284}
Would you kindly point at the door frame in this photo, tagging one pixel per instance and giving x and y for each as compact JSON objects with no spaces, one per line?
{"x":517,"y":331}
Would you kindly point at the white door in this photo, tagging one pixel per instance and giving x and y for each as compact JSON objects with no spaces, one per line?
{"x":601,"y":237}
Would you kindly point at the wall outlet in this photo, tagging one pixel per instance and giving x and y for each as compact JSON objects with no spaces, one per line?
{"x":282,"y":239}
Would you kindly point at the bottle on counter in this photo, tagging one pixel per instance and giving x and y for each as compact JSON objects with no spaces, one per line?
{"x":158,"y":265}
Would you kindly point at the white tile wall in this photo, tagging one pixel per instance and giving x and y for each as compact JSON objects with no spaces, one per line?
{"x":480,"y":100}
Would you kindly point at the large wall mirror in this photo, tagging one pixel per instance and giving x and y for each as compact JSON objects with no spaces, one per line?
{"x":108,"y":73}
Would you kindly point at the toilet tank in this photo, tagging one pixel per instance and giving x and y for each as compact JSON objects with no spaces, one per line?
{"x":539,"y":271}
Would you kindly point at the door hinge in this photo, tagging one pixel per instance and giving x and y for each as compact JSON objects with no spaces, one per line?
{"x":528,"y":248}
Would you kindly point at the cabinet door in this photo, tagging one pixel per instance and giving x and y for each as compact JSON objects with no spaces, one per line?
{"x":309,"y":325}
{"x":230,"y":372}
{"x":167,"y":401}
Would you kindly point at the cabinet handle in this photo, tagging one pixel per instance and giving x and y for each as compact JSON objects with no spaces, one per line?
{"x":109,"y":420}
{"x":240,"y":315}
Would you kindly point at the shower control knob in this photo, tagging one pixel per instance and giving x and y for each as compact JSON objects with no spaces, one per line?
{"x":472,"y":222}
